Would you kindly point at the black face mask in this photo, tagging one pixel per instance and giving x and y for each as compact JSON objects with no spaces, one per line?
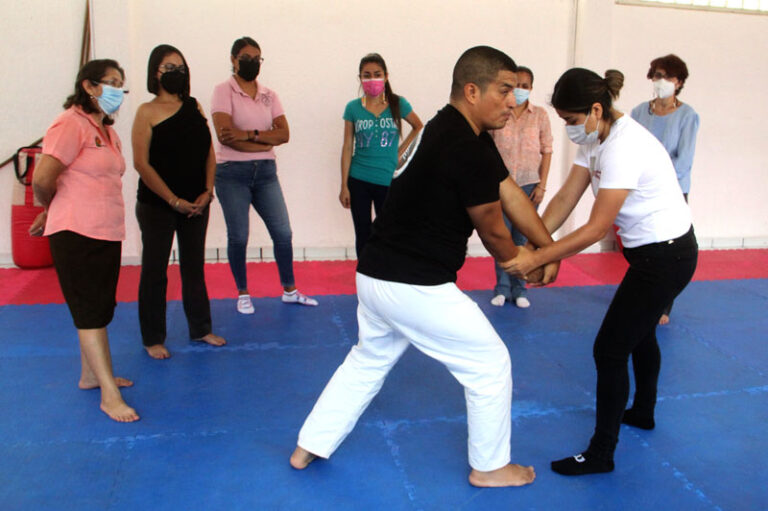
{"x":249,"y":69}
{"x":174,"y":82}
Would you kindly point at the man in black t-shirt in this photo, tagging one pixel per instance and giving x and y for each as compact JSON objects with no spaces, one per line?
{"x":449,"y":182}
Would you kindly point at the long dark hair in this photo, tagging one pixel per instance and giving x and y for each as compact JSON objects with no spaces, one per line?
{"x":578,"y":89}
{"x":155,"y":58}
{"x":392,"y":98}
{"x":93,"y":71}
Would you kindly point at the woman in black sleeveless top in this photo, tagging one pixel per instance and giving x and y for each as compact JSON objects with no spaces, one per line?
{"x":173,"y":154}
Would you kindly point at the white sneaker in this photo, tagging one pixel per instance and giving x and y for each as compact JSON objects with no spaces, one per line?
{"x":301,"y":299}
{"x":522,"y":302}
{"x":244,"y":304}
{"x":498,"y":300}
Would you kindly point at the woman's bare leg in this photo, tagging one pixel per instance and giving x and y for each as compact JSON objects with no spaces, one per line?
{"x":94,"y":347}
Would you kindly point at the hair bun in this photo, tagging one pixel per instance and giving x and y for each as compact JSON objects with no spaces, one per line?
{"x":614,"y":80}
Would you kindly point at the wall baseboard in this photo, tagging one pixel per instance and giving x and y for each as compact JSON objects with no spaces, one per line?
{"x":264,"y":254}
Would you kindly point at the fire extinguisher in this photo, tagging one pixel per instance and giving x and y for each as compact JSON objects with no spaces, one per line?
{"x":27,"y":251}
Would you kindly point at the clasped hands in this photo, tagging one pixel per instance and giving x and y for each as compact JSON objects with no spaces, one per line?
{"x":193,"y":208}
{"x":525,"y":266}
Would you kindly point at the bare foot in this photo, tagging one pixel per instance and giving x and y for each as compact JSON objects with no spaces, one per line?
{"x":212,"y":339}
{"x":158,"y":351}
{"x":509,"y":475}
{"x":664,"y":319}
{"x":94,"y":384}
{"x":301,"y":458}
{"x":119,"y":411}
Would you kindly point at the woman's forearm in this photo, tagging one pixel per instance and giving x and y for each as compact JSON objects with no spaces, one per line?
{"x":210,"y":170}
{"x":275,"y":136}
{"x":44,"y":179}
{"x":571,"y":244}
{"x":154,"y":182}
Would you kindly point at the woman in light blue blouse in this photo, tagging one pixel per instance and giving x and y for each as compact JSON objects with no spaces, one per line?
{"x":372,"y":133}
{"x":671,"y":121}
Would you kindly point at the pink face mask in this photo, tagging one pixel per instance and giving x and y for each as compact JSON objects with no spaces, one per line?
{"x":373,"y":86}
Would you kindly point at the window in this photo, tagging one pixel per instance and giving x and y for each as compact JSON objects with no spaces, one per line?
{"x":743,"y":6}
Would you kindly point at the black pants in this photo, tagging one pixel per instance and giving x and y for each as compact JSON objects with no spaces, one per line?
{"x":361,"y":195}
{"x":158,"y":225}
{"x":668,"y":308}
{"x":657,"y":273}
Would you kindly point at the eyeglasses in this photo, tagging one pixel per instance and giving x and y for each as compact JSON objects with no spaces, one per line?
{"x":168,"y":68}
{"x":247,"y":58}
{"x":112,"y":83}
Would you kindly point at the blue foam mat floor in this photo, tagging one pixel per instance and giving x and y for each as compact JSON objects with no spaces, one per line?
{"x":218,"y":425}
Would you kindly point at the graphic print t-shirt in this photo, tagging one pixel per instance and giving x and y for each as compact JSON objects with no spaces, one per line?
{"x":376,"y":141}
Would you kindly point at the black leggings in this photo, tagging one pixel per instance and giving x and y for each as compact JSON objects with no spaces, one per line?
{"x":361,"y":195}
{"x":657,"y":273}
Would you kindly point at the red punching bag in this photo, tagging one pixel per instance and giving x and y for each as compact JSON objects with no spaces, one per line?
{"x":28,"y":251}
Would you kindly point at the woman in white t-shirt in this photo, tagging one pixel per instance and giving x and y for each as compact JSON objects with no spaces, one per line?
{"x":636,"y":188}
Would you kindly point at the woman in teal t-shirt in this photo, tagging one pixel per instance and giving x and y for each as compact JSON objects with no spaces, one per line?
{"x":372,"y":126}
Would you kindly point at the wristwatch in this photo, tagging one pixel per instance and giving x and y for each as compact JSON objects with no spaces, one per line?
{"x":255,"y":134}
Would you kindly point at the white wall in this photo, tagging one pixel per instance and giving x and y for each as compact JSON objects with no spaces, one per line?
{"x":725,"y":54}
{"x":311,"y":51}
{"x":39,"y":58}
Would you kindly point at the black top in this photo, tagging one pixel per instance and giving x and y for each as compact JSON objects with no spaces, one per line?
{"x":421,"y":235}
{"x":178,"y":152}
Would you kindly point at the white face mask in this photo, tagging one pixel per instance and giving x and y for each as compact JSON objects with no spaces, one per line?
{"x":578,"y":133}
{"x":663,"y":88}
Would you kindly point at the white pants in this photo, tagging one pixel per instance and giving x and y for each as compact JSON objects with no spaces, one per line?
{"x":441,"y":322}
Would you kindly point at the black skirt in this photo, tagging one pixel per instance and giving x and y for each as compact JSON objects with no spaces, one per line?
{"x":88,"y":270}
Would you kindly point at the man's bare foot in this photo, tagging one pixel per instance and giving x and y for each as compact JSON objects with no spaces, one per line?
{"x":301,"y":458}
{"x":664,"y":319}
{"x":119,"y":411}
{"x":212,"y":339}
{"x":94,"y":384}
{"x":509,"y":475}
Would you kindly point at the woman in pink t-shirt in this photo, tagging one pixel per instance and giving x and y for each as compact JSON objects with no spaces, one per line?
{"x":249,"y":121}
{"x":78,"y":180}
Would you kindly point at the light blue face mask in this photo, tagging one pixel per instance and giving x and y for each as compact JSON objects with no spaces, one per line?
{"x":111,"y":98}
{"x":521,"y":95}
{"x":579,"y":135}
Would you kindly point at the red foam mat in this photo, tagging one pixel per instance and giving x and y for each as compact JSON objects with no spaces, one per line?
{"x":40,"y":286}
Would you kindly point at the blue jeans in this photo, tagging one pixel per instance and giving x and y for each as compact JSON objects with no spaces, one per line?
{"x":239,"y":185}
{"x":512,"y":288}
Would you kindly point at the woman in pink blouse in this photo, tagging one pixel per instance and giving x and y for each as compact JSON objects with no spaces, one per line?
{"x":78,"y":180}
{"x":250,"y":121}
